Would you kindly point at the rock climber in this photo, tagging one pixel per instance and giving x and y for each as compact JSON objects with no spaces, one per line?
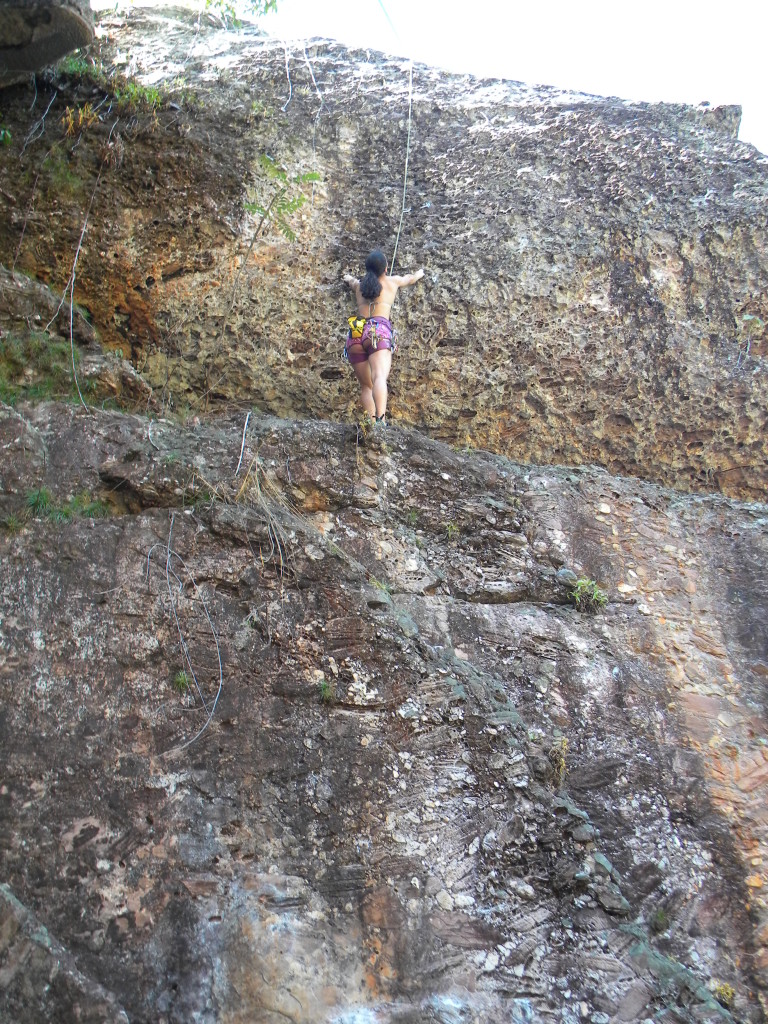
{"x":371,"y":340}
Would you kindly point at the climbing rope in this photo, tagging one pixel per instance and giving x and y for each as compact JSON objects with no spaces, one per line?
{"x":405,"y":176}
{"x":317,"y":118}
{"x":288,"y":76}
{"x":408,"y":142}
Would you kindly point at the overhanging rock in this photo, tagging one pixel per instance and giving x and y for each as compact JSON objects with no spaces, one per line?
{"x":34,"y":34}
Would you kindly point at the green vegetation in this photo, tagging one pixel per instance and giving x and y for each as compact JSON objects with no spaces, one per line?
{"x":179,"y":412}
{"x":365,"y":426}
{"x":659,"y":921}
{"x":451,"y":530}
{"x":335,"y":550}
{"x":198,"y":494}
{"x":87,"y":507}
{"x":61,"y":173}
{"x":259,"y":111}
{"x":12,"y":523}
{"x":181,"y":682}
{"x":128,"y":96}
{"x":723,"y":993}
{"x":40,"y":504}
{"x":59,"y":514}
{"x":75,"y":66}
{"x":5,"y":136}
{"x":587,"y":596}
{"x":285,"y":200}
{"x":327,"y":691}
{"x":33,"y":366}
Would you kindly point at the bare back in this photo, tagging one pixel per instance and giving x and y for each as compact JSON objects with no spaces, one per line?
{"x":382,"y":304}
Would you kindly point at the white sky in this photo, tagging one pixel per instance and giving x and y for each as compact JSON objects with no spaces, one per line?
{"x":677,"y":50}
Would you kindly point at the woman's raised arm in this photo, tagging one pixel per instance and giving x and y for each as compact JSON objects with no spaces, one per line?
{"x":408,"y":279}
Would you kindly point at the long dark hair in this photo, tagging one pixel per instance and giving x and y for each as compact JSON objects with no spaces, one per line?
{"x":375,"y":266}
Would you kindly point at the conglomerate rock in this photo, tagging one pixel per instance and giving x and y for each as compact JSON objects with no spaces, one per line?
{"x":304,"y":726}
{"x":589,"y":261}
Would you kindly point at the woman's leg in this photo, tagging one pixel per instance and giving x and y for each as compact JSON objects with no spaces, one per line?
{"x":363,"y":374}
{"x":380,"y":363}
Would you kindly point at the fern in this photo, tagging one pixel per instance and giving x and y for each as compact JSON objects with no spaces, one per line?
{"x":285,"y":202}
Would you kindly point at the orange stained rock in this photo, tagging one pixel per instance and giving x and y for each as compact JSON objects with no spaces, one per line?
{"x":708,"y":645}
{"x":731,"y":799}
{"x":696,"y":662}
{"x":755,"y":776}
{"x":698,"y":704}
{"x":717,"y":769}
{"x":372,"y":982}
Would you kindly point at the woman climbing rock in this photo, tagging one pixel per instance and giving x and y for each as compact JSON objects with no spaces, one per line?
{"x":371,"y":339}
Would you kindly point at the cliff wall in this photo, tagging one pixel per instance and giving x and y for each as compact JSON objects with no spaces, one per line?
{"x":300,"y":723}
{"x":590,"y":261}
{"x":296,"y":725}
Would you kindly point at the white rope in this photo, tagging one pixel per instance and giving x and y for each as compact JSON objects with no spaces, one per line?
{"x":288,"y":76}
{"x":242,"y":446}
{"x":314,"y":123}
{"x":314,"y":81}
{"x":408,"y":143}
{"x":405,"y":175}
{"x":169,"y":572}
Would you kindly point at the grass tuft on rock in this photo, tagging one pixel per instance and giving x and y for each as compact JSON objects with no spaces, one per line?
{"x":40,"y":504}
{"x":34,"y":367}
{"x":587,"y":596}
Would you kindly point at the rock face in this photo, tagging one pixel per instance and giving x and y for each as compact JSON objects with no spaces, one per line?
{"x":301,"y":724}
{"x":305,"y":723}
{"x":589,"y":262}
{"x":34,"y":33}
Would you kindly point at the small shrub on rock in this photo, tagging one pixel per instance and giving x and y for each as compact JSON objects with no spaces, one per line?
{"x":586,"y":596}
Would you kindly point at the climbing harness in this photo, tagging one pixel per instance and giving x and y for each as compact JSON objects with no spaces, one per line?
{"x":379,"y":333}
{"x":375,"y":332}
